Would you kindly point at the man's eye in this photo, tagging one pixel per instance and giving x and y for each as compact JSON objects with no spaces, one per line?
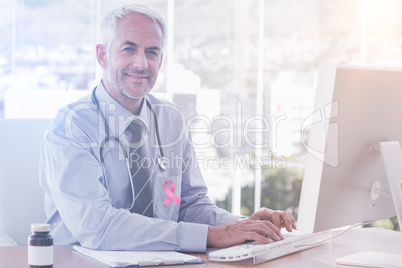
{"x":130,"y":49}
{"x":153,"y":53}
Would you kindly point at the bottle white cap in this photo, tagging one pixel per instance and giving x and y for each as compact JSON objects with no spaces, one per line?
{"x":40,"y":227}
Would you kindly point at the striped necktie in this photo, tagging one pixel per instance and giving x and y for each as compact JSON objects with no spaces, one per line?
{"x":140,"y":172}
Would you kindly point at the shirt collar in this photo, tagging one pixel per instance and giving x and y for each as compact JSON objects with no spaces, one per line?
{"x":117,"y":116}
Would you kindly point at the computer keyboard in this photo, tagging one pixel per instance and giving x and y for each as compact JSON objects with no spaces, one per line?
{"x":257,"y":252}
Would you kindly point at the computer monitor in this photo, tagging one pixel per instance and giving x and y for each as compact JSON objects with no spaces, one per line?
{"x":353,"y":149}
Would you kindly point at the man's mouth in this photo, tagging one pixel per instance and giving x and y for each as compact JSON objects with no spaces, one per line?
{"x":137,"y":76}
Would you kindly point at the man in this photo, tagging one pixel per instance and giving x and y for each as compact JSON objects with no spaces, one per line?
{"x":94,"y":146}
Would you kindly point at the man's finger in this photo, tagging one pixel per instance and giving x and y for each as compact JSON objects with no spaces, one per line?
{"x":269,"y":229}
{"x":276,"y":219}
{"x":287,"y":221}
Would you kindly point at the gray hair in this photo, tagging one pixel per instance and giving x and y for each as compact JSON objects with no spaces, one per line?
{"x":108,"y":26}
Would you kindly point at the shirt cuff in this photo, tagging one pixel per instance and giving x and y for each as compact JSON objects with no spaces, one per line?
{"x":193,"y":237}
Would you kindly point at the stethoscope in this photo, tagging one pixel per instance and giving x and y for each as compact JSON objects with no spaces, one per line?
{"x":162,"y":160}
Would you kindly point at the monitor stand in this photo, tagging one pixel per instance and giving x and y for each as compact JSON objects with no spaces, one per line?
{"x":391,"y":154}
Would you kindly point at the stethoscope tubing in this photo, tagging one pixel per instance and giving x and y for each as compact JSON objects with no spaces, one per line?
{"x":107,"y":128}
{"x":162,"y":161}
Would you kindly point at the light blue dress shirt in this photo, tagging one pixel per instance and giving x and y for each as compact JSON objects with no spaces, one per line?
{"x":77,"y":203}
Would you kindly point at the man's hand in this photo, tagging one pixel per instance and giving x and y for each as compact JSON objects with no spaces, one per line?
{"x":263,"y":226}
{"x":281,"y":219}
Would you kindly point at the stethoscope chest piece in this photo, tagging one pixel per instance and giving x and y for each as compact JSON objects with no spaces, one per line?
{"x":163,"y":162}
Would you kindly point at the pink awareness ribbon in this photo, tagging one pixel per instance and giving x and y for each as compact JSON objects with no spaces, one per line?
{"x":170,"y":193}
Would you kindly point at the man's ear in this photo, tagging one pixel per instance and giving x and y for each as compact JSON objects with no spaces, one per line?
{"x":101,"y":55}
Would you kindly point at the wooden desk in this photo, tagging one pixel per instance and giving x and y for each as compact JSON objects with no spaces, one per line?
{"x":374,"y":239}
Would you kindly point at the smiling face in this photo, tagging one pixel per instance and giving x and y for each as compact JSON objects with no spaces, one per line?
{"x":132,"y":63}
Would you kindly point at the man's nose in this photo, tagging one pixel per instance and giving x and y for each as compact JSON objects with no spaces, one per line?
{"x":140,"y":61}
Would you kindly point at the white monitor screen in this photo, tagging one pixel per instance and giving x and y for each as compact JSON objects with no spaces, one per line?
{"x":356,"y":107}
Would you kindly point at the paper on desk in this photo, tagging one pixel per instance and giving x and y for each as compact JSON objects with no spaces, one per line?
{"x":137,"y":258}
{"x":372,"y":259}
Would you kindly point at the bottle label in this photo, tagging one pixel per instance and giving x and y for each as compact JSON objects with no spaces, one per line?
{"x":40,"y":255}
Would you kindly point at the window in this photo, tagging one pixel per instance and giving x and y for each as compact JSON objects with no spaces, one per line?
{"x":232,"y":75}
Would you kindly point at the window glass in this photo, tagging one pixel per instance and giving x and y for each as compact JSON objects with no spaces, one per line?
{"x":217,"y":52}
{"x":53,"y":44}
{"x":6,"y":49}
{"x":211,"y":70}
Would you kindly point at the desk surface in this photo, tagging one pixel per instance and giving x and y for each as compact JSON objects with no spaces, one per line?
{"x":353,"y":241}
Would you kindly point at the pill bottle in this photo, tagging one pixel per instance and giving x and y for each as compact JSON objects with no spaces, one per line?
{"x":40,"y":246}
